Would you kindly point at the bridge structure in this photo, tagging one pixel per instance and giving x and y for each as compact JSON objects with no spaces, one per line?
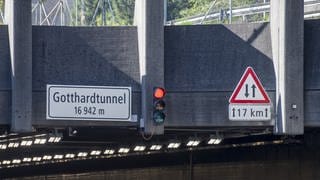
{"x":198,"y":66}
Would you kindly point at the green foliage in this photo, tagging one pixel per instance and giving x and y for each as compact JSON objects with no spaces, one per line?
{"x":174,"y":8}
{"x":179,"y":9}
{"x":118,"y":12}
{"x":1,"y":4}
{"x":122,"y":12}
{"x":2,"y":9}
{"x":196,"y":7}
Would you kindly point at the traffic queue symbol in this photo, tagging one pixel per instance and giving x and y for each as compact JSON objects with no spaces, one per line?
{"x":249,"y":90}
{"x":249,"y":101}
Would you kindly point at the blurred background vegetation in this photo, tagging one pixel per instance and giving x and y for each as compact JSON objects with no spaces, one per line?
{"x":1,"y":11}
{"x":121,"y":12}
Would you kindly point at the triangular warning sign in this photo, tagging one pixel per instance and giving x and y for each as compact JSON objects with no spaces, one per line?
{"x":249,"y":90}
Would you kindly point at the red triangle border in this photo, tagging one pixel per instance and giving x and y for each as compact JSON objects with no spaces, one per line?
{"x":244,"y":77}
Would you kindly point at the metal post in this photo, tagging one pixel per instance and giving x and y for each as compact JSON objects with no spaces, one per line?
{"x":264,"y":12}
{"x":36,"y":16}
{"x":18,"y":18}
{"x":82,"y":13}
{"x":111,"y":11}
{"x":104,"y":22}
{"x":40,"y":13}
{"x":230,"y":9}
{"x":76,"y":12}
{"x":93,"y":20}
{"x":165,"y":13}
{"x":205,"y":16}
{"x":63,"y":13}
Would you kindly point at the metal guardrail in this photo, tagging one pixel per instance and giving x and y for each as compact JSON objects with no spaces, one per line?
{"x":60,"y":12}
{"x":312,"y":10}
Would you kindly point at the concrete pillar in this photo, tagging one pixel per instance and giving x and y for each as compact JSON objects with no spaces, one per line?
{"x":287,"y":47}
{"x":18,"y":18}
{"x":149,"y":21}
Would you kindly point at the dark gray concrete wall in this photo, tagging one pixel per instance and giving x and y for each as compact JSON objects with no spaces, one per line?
{"x":5,"y":77}
{"x":83,"y":56}
{"x":214,"y":57}
{"x":312,"y":72}
{"x":203,"y":64}
{"x":312,"y":55}
{"x":87,"y":55}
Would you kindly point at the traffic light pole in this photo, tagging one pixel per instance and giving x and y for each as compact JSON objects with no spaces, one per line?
{"x":149,"y":20}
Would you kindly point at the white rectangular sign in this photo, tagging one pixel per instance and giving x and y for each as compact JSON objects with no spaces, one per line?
{"x":102,"y":103}
{"x":249,"y":112}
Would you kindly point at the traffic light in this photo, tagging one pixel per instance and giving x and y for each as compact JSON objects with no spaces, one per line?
{"x":158,"y":105}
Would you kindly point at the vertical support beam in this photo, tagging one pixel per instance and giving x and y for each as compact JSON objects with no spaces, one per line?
{"x":76,"y":12}
{"x":82,"y":16}
{"x":104,"y":12}
{"x":18,"y":18}
{"x":230,"y":9}
{"x":287,"y":47}
{"x":165,"y":12}
{"x":149,"y":21}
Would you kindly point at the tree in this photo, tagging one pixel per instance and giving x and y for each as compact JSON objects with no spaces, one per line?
{"x":117,"y":12}
{"x":124,"y":11}
{"x":1,"y":9}
{"x":121,"y":12}
{"x":174,"y":8}
{"x":185,"y":8}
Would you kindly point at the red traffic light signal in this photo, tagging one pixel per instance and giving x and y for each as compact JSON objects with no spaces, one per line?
{"x":159,"y":105}
{"x":159,"y":93}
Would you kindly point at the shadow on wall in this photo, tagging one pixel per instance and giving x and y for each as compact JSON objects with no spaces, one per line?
{"x":257,"y":32}
{"x":206,"y":62}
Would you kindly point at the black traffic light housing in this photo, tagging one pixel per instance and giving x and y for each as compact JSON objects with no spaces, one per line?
{"x":159,"y":105}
